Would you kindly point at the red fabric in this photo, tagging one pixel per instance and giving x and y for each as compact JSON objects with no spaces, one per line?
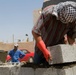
{"x":42,"y":47}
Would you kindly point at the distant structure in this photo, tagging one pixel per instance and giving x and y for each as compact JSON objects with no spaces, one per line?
{"x":36,"y":15}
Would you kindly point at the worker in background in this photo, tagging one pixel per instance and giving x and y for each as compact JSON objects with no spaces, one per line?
{"x":15,"y":54}
{"x":54,"y":23}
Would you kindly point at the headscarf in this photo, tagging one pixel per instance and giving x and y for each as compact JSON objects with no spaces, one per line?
{"x":65,"y":11}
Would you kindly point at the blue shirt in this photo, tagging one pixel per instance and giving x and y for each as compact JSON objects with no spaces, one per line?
{"x":15,"y":55}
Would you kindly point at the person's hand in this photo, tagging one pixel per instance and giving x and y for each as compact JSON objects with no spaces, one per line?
{"x":65,"y":39}
{"x":47,"y":55}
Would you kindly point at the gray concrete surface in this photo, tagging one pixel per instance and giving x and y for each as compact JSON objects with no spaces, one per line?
{"x":38,"y":71}
{"x":9,"y":69}
{"x":74,"y":70}
{"x":66,"y":71}
{"x":26,"y":71}
{"x":62,"y":54}
{"x":46,"y":71}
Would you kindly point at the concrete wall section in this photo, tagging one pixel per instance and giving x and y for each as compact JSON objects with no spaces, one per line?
{"x":74,"y":70}
{"x":38,"y":71}
{"x":26,"y":71}
{"x":48,"y":71}
{"x":9,"y":70}
{"x":45,"y":71}
{"x":4,"y":71}
{"x":66,"y":71}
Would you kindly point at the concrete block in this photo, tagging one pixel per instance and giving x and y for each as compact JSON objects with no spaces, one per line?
{"x":45,"y":71}
{"x":74,"y":47}
{"x":14,"y":70}
{"x":74,"y":70}
{"x":62,"y":54}
{"x":26,"y":71}
{"x":4,"y":71}
{"x":9,"y":70}
{"x":66,"y":71}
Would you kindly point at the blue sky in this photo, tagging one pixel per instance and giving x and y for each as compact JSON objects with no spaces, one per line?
{"x":16,"y":17}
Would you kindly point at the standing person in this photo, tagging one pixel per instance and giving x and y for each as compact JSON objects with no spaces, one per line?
{"x":15,"y":54}
{"x":54,"y":23}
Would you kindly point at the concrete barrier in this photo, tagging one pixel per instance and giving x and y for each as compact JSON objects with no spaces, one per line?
{"x":59,"y":70}
{"x":10,"y":69}
{"x":26,"y":71}
{"x":46,"y":71}
{"x":37,"y":71}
